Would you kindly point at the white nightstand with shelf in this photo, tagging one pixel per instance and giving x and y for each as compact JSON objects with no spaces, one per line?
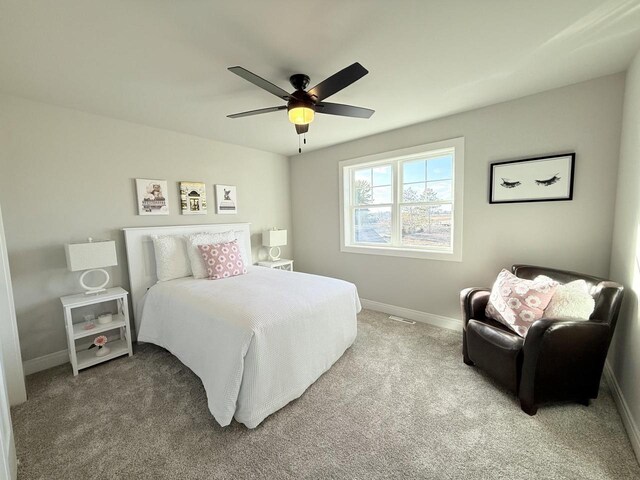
{"x":84,"y":358}
{"x":282,"y":264}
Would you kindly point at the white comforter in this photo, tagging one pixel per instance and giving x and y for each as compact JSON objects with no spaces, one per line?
{"x":257,"y":341}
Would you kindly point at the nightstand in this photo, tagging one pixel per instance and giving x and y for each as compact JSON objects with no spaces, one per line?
{"x":80,"y":339}
{"x":282,"y":264}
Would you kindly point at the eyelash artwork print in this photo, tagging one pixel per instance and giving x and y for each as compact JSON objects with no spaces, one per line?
{"x":548,"y":182}
{"x":507,"y":184}
{"x":535,"y":179}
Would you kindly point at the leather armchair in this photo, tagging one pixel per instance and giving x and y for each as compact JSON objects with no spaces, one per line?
{"x":559,"y":359}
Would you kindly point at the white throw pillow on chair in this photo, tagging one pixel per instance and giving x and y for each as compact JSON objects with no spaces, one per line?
{"x":571,"y":300}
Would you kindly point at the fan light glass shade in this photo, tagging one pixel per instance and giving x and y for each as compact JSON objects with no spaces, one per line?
{"x":301,"y":115}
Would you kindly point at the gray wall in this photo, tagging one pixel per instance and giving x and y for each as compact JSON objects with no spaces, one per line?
{"x":66,"y":175}
{"x":624,"y":355}
{"x":576,"y":235}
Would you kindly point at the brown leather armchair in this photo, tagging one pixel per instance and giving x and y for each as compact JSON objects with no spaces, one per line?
{"x":559,"y":359}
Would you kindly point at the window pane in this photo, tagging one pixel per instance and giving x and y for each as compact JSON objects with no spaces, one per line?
{"x":372,"y":225}
{"x":413,"y":171}
{"x":382,"y":176}
{"x":438,"y":191}
{"x":413,"y":192}
{"x":426,"y":226}
{"x":382,"y":195}
{"x":439,"y":168}
{"x":362,"y":175}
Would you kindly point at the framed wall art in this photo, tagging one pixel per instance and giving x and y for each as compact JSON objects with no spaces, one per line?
{"x":152,"y":197}
{"x":193,"y":198}
{"x":539,"y":179}
{"x":226,"y":199}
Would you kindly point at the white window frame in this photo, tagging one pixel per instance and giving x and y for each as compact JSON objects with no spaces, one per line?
{"x":346,"y":168}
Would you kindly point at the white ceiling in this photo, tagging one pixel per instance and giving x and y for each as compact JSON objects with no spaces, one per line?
{"x":164,"y":63}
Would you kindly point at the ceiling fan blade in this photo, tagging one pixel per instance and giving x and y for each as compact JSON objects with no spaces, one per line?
{"x":338,"y":81}
{"x":343,"y":110}
{"x":260,"y":82}
{"x":257,"y":112}
{"x":302,"y":129}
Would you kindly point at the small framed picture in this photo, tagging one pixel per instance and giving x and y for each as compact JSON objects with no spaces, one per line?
{"x":152,"y":197}
{"x":193,"y":198}
{"x":539,"y":179}
{"x":226,"y":199}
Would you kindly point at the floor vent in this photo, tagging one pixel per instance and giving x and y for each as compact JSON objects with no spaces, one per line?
{"x":400,"y":319}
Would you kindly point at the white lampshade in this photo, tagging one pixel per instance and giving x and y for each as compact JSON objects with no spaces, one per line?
{"x":86,"y":256}
{"x":91,"y":257}
{"x":274,"y":238}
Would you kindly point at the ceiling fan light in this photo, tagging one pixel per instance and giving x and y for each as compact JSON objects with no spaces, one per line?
{"x":301,"y":115}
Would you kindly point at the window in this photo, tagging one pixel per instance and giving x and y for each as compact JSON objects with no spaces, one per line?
{"x":404,"y":203}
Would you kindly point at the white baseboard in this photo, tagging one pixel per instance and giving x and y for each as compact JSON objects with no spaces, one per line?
{"x":627,"y":418}
{"x":418,"y":316}
{"x":46,"y":361}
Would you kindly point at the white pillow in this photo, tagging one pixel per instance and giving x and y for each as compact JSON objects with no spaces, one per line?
{"x":171,"y":257}
{"x":205,"y":238}
{"x":571,"y":300}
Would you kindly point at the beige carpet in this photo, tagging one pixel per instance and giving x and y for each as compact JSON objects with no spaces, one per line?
{"x":399,"y":404}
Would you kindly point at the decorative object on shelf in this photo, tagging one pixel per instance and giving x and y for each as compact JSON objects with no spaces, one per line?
{"x":152,"y":199}
{"x":105,"y":318}
{"x":193,"y":198}
{"x":89,"y":322}
{"x":226,"y":199}
{"x":274,"y":239}
{"x":101,"y":343}
{"x":539,"y":179}
{"x":91,"y":257}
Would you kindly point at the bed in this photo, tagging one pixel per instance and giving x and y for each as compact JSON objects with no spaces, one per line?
{"x":257,"y":341}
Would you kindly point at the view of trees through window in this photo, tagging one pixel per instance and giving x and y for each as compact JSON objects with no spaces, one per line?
{"x":424,"y":209}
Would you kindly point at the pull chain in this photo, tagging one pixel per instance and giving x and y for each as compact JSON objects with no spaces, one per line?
{"x":304,"y":140}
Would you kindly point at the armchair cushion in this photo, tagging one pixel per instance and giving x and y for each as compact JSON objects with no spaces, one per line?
{"x":517,"y":302}
{"x":496,"y":351}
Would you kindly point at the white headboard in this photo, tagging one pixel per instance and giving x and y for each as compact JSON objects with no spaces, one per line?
{"x":141,"y":256}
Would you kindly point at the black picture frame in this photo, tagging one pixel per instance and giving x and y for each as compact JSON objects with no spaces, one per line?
{"x":536,"y":179}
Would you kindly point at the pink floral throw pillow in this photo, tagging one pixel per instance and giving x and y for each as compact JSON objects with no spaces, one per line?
{"x":517,"y":302}
{"x":222,"y":260}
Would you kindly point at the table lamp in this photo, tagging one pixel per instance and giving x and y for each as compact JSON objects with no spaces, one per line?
{"x":91,"y":257}
{"x":274,"y":239}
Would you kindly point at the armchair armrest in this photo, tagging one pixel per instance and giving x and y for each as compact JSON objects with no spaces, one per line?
{"x":563,"y":358}
{"x":473,"y":302}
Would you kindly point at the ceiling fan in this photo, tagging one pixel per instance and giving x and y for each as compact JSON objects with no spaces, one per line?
{"x":302,"y":104}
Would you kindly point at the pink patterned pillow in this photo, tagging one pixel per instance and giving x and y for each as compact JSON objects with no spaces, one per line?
{"x":517,"y":302}
{"x":222,"y":260}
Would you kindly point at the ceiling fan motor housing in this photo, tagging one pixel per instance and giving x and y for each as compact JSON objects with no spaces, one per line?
{"x":300,"y":98}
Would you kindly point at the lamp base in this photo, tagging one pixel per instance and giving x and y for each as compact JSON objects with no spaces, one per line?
{"x":93,"y":289}
{"x":273,"y":256}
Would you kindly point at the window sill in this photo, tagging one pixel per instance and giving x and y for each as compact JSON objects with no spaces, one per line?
{"x":445,"y":255}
